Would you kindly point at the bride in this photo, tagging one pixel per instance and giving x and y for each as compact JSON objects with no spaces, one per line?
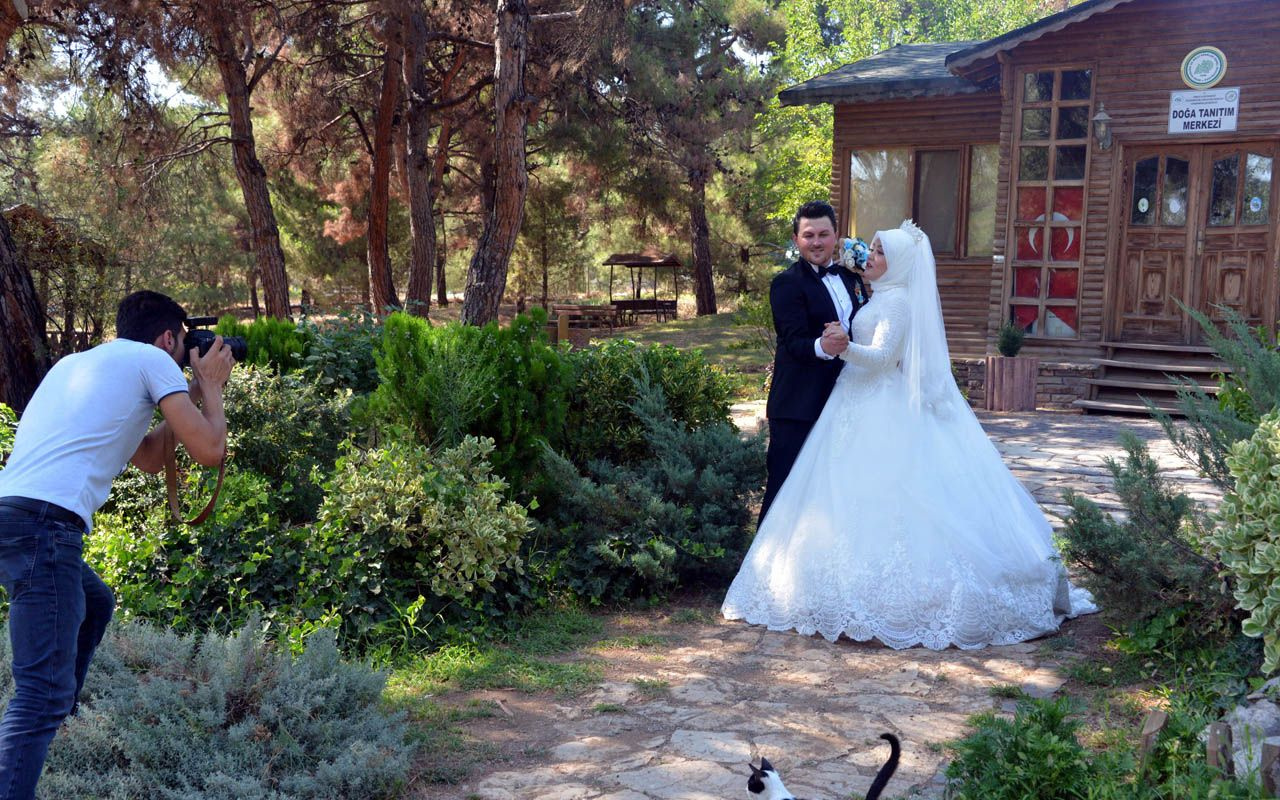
{"x":899,"y":520}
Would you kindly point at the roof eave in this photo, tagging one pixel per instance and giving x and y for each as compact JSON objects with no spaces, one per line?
{"x":957,"y":61}
{"x":891,"y":90}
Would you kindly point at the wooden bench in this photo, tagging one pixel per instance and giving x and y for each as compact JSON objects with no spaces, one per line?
{"x":587,"y":316}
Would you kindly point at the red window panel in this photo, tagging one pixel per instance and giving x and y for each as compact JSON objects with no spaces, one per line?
{"x":1067,"y":203}
{"x":1063,"y":283}
{"x":1031,"y":203}
{"x":1025,"y":316}
{"x":1066,"y":244}
{"x":1030,"y":244}
{"x":1060,"y":321}
{"x":1026,"y":282}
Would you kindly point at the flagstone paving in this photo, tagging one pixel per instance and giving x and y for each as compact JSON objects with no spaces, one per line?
{"x":681,"y":721}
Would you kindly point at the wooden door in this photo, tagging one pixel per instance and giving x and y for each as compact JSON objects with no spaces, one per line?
{"x":1197,"y":231}
{"x":1158,"y":243}
{"x":1233,"y":246}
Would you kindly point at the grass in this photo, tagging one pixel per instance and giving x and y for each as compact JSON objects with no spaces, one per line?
{"x":691,"y":616}
{"x":1006,"y":691}
{"x":520,"y":661}
{"x":722,"y":342}
{"x":452,"y":753}
{"x":529,"y":659}
{"x":645,"y":641}
{"x":609,"y":708}
{"x":651,"y":687}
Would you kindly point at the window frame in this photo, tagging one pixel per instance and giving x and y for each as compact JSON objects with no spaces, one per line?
{"x":1014,"y":226}
{"x":965,"y":165}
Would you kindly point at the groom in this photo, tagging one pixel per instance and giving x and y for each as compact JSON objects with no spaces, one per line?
{"x":813,"y":302}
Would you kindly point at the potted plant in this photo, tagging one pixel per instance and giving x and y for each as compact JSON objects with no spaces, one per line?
{"x":1011,"y":379}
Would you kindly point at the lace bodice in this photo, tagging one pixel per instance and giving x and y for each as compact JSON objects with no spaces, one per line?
{"x":879,"y":332}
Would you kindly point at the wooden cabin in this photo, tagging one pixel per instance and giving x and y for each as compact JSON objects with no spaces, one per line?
{"x":1086,"y":176}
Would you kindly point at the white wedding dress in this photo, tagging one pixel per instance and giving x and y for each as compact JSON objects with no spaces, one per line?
{"x":899,"y":526}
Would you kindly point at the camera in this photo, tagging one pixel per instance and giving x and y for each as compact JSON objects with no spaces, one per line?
{"x":201,"y":340}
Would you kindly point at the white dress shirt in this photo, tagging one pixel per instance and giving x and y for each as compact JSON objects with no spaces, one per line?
{"x":844,"y":307}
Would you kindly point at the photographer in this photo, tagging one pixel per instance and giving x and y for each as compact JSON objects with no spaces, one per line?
{"x":87,"y":420}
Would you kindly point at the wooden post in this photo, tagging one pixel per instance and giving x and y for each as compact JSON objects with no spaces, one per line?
{"x":1268,"y":767}
{"x":1220,"y":750}
{"x":562,"y":327}
{"x":1151,"y":729}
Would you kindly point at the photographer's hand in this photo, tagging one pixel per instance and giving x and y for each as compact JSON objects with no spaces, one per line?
{"x":213,"y":369}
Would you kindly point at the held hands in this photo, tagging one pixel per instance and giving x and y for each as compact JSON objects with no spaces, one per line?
{"x":834,"y":340}
{"x":213,"y":369}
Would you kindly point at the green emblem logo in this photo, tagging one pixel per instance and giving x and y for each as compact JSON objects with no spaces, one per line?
{"x":1204,"y":67}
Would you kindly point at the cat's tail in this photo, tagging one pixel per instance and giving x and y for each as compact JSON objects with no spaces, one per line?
{"x":886,"y":772}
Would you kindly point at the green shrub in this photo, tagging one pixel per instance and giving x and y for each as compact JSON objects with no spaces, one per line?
{"x":755,"y":314}
{"x":284,"y":427}
{"x":277,"y":426}
{"x":212,"y":717}
{"x":215,"y":575}
{"x":1211,"y":424}
{"x":679,"y":517}
{"x":277,"y":343}
{"x":1154,"y":559}
{"x":1248,"y":541}
{"x":341,"y":355}
{"x":602,"y":421}
{"x":1033,"y":755}
{"x":1037,"y":755}
{"x":1010,"y":338}
{"x":453,"y":380}
{"x":8,"y":427}
{"x":401,"y":524}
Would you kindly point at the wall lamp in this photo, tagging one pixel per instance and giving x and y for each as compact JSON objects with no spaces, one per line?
{"x":1102,"y":128}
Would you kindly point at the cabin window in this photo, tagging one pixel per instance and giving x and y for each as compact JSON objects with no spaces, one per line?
{"x":879,"y":193}
{"x":984,"y":163}
{"x":937,"y":196}
{"x":949,"y":192}
{"x":1048,"y":202}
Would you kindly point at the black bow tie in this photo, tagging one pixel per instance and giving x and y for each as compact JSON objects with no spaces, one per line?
{"x":825,"y":271}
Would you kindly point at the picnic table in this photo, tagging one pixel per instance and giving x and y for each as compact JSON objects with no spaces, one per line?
{"x":629,"y":311}
{"x":585,"y":315}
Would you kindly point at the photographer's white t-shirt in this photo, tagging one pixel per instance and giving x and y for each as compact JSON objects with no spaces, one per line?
{"x":85,"y":422}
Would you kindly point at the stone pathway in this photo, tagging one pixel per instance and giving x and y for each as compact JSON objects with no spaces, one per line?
{"x":681,"y":722}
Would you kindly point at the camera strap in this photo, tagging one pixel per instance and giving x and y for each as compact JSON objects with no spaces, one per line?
{"x":171,"y":481}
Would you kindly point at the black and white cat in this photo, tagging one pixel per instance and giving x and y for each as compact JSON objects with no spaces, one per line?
{"x":766,"y":784}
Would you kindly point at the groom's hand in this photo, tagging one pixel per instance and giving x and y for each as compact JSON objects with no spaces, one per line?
{"x":834,"y":340}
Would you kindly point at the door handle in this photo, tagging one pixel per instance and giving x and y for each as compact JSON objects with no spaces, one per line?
{"x":1199,"y":243}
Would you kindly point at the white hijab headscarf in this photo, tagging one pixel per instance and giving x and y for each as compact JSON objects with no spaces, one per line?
{"x":926,"y":362}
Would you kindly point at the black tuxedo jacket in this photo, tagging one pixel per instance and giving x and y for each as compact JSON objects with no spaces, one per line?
{"x":802,"y":307}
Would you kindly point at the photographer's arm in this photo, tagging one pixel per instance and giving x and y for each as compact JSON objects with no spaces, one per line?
{"x":203,"y":431}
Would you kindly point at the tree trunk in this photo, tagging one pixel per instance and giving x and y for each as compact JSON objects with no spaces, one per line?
{"x":253,"y":293}
{"x":545,"y":269}
{"x":704,"y":288}
{"x":24,"y":349}
{"x":382,"y":290}
{"x":422,"y":226}
{"x":249,"y":170}
{"x":437,"y":181}
{"x":487,"y":274}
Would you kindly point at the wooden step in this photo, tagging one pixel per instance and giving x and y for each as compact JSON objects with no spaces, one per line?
{"x":1164,"y":348}
{"x":1146,"y":386}
{"x":1158,"y":366}
{"x":1118,"y":406}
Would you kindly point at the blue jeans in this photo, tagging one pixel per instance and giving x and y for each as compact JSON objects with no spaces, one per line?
{"x":58,"y":610}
